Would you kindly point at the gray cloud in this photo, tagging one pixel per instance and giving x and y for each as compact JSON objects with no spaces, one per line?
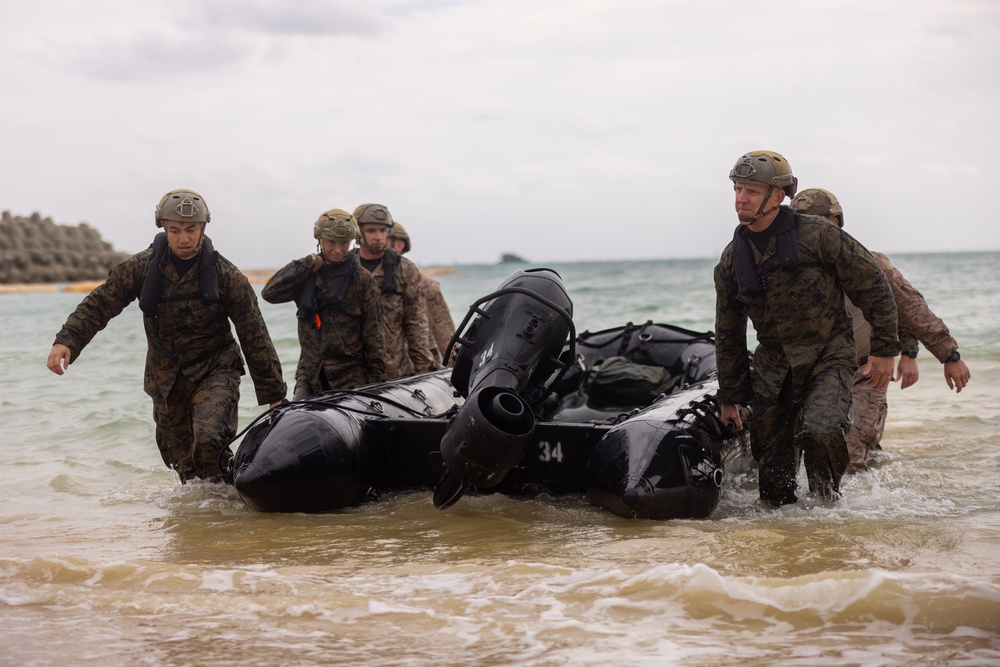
{"x":300,"y":17}
{"x":158,"y":56}
{"x":210,"y":37}
{"x":559,"y":130}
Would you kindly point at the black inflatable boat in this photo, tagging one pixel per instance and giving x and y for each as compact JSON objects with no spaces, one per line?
{"x":625,"y":416}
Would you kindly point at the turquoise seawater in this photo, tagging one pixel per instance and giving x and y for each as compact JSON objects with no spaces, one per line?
{"x":106,"y":559}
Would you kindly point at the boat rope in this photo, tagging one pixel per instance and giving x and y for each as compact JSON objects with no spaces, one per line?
{"x":584,"y":339}
{"x":327,"y":397}
{"x":704,"y":413}
{"x":326,"y":402}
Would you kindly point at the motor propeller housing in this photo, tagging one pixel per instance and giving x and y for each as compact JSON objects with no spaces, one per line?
{"x":509,"y":348}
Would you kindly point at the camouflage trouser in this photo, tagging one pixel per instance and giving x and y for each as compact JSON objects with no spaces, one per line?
{"x":196,"y":423}
{"x":814,"y":426}
{"x":330,"y":377}
{"x":870,"y":409}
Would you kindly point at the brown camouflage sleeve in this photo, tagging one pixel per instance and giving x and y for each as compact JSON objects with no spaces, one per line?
{"x":258,"y":349}
{"x":103,"y":303}
{"x":866,"y":285}
{"x":916,"y":317}
{"x":415,"y":320}
{"x":439,"y":317}
{"x":284,"y":285}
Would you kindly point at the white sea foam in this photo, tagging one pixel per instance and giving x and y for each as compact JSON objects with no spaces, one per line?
{"x":107,"y":559}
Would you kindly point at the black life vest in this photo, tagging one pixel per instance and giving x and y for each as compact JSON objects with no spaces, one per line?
{"x":749,"y":278}
{"x":208,"y":276}
{"x":337,"y":278}
{"x":390,"y":262}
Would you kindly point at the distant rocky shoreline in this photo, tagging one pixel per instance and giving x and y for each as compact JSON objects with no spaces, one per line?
{"x":38,"y":255}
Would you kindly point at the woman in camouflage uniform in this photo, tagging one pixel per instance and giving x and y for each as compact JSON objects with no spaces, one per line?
{"x":188,"y":294}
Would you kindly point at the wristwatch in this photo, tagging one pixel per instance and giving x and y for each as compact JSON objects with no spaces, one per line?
{"x":912,"y":354}
{"x":955,"y":356}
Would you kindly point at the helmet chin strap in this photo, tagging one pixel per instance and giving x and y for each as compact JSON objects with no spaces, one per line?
{"x":760,"y":211}
{"x":319,"y":251}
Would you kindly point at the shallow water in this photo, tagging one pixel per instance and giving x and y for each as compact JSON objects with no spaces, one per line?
{"x":106,"y":559}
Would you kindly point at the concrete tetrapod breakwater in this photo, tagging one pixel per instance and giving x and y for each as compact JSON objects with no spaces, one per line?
{"x":35,"y":250}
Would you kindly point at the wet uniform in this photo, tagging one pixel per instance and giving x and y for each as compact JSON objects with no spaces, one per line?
{"x":916,"y":322}
{"x":193,"y":363}
{"x":801,"y":385}
{"x":340,"y":328}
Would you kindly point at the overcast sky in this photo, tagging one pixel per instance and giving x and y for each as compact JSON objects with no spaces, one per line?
{"x":555,"y":129}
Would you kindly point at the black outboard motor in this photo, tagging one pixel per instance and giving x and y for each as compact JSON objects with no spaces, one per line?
{"x":507,"y":352}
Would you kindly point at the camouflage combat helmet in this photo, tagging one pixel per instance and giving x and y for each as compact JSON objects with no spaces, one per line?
{"x":817,"y":201}
{"x":182,"y":205}
{"x":335,"y":225}
{"x":374,"y":214}
{"x":399,"y":232}
{"x":765,"y":167}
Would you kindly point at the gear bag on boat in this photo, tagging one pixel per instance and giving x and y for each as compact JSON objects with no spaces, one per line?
{"x":618,"y":381}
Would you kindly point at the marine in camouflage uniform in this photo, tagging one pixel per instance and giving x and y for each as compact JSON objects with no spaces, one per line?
{"x":916,"y":322}
{"x":792,"y":290}
{"x":339,"y":314}
{"x":441,"y":325}
{"x":193,"y":363}
{"x":405,"y":327}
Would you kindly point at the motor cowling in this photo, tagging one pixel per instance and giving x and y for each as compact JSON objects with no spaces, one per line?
{"x":510,"y":345}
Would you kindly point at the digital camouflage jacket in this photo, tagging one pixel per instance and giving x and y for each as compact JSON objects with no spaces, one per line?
{"x":340,"y":331}
{"x":800,"y":317}
{"x":187,"y":335}
{"x":439,"y":320}
{"x":916,"y":320}
{"x":405,"y":327}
